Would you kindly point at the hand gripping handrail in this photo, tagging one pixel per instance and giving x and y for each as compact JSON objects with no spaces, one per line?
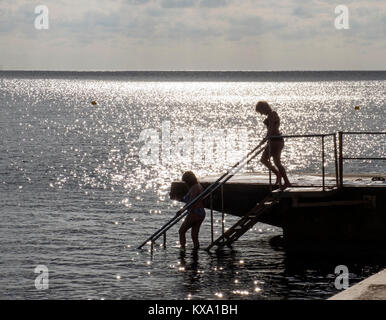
{"x":208,"y":190}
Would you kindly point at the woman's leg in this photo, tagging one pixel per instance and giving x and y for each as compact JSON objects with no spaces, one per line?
{"x":195,"y":231}
{"x":276,"y":159}
{"x":265,"y":160}
{"x":186,"y":225}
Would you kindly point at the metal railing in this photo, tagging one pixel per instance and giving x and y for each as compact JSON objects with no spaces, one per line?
{"x":342,"y":158}
{"x":204,"y":194}
{"x":323,"y":156}
{"x":219,"y":183}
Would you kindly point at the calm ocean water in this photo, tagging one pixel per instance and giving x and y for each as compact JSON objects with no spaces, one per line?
{"x":77,"y":197}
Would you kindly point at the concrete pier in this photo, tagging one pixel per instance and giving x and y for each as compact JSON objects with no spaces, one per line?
{"x":372,"y":288}
{"x":334,"y":220}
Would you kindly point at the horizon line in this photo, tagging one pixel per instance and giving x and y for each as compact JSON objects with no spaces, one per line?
{"x":160,"y":70}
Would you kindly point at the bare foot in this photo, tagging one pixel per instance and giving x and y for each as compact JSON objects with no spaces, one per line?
{"x":278,"y":182}
{"x":285,"y":186}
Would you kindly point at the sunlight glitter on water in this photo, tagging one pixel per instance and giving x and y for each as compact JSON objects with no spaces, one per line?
{"x":83,"y":192}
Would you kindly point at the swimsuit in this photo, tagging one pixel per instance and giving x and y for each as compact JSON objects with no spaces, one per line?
{"x":198,"y":211}
{"x":280,"y":139}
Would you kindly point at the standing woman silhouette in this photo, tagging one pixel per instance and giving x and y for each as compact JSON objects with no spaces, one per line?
{"x":196,"y":213}
{"x":277,"y":144}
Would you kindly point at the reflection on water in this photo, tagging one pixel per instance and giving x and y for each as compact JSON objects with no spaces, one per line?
{"x":75,"y":196}
{"x":259,"y":270}
{"x":52,"y":126}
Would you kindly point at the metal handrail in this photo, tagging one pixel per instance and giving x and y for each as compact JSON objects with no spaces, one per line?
{"x":322,"y":136}
{"x":342,"y":158}
{"x":245,"y":160}
{"x":367,"y":158}
{"x":303,"y":135}
{"x":205,"y":193}
{"x":363,"y":132}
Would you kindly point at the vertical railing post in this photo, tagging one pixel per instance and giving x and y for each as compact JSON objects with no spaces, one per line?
{"x":222,"y":211}
{"x":340,"y":159}
{"x":269,"y":160}
{"x":164,"y":240}
{"x":336,"y":162}
{"x":323,"y":162}
{"x":211,"y":218}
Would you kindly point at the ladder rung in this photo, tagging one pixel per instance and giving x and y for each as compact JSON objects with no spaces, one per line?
{"x":244,"y":224}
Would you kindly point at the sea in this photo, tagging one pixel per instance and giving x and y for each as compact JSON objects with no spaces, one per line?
{"x":87,"y":160}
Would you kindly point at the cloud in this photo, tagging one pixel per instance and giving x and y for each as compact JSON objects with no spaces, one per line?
{"x":169,"y":4}
{"x":302,"y":12}
{"x":251,"y":26}
{"x":202,"y":30}
{"x":137,"y":2}
{"x":214,"y":3}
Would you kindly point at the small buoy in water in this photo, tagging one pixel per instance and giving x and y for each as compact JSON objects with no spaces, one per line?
{"x":357,"y":108}
{"x":93,"y":103}
{"x":378,"y":179}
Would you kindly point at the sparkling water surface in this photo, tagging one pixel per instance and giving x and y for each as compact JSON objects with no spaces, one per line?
{"x":76,"y":196}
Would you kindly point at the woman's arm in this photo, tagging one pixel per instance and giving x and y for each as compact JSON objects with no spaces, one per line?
{"x":193,"y":193}
{"x":196,"y":190}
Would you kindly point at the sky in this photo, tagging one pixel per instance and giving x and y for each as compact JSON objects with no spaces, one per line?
{"x":248,"y":35}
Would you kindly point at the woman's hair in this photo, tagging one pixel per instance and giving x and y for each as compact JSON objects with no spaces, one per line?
{"x":189,"y":178}
{"x":263,"y":106}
